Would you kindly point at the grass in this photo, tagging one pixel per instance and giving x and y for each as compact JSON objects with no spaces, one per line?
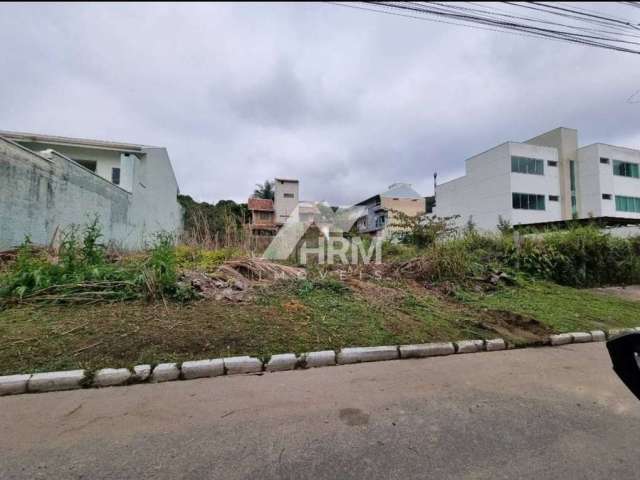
{"x":292,"y":316}
{"x":563,"y":309}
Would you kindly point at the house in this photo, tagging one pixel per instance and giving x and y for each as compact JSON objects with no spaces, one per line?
{"x":286,"y":198}
{"x":544,"y":180}
{"x":263,"y":221}
{"x":48,"y":183}
{"x":378,"y":219}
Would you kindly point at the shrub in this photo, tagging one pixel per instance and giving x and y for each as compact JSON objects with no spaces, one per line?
{"x":81,"y":272}
{"x":422,"y":230}
{"x":580,"y":256}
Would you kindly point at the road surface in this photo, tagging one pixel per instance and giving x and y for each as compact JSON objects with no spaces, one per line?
{"x":534,"y":413}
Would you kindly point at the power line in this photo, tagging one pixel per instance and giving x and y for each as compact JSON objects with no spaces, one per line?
{"x":580,"y":26}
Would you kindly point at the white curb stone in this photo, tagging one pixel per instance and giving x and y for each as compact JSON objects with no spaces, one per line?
{"x":324,"y":358}
{"x":581,"y":337}
{"x":598,"y":335}
{"x":141,"y":373}
{"x":53,"y":381}
{"x":165,"y":372}
{"x":235,"y":365}
{"x":281,"y":362}
{"x":560,"y":339}
{"x":108,"y":377}
{"x":496,"y":344}
{"x":470,"y":346}
{"x":13,"y":384}
{"x":367,"y":354}
{"x":617,"y":332}
{"x":202,"y":369}
{"x":426,"y":350}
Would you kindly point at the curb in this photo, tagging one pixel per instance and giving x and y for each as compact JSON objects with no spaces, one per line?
{"x":165,"y":372}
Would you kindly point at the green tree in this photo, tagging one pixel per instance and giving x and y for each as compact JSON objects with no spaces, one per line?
{"x":265,"y":190}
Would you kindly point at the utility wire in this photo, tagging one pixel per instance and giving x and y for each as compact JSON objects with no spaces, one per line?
{"x":579,"y":26}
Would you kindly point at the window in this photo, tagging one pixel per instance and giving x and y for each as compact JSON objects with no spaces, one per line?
{"x":604,"y":160}
{"x":627,"y":204}
{"x":554,"y":198}
{"x":115,"y":175}
{"x":528,"y":201}
{"x":625,"y":169}
{"x":288,"y":195}
{"x":380,"y":221}
{"x":552,"y":163}
{"x":88,"y":164}
{"x":527,"y":165}
{"x":606,"y":196}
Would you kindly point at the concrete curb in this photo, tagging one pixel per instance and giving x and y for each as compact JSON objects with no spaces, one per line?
{"x":165,"y":372}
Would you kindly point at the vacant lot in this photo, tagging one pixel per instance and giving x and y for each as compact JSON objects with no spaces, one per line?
{"x":298,"y":316}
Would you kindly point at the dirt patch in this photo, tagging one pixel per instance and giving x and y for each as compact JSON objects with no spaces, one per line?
{"x":374,"y":293}
{"x":629,"y":292}
{"x":515,"y":327}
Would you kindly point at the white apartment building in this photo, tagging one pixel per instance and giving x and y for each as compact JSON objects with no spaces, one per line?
{"x":545,"y":179}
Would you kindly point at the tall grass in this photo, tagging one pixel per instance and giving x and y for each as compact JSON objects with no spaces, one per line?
{"x":81,"y":273}
{"x":583,"y":256}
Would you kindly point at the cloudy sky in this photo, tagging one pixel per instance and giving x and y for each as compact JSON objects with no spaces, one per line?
{"x":347,"y":101}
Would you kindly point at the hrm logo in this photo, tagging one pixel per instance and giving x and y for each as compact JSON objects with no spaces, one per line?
{"x":331,"y":244}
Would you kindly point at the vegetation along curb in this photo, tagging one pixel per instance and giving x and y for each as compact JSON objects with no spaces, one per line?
{"x":164,"y":372}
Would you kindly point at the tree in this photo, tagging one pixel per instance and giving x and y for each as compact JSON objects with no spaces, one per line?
{"x":265,"y":190}
{"x":422,"y":230}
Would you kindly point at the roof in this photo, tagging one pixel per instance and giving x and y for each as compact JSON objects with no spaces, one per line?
{"x":58,"y":140}
{"x":290,"y":180}
{"x":262,"y":204}
{"x":401,"y":190}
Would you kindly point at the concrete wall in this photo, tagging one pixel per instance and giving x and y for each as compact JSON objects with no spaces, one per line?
{"x":565,"y":141}
{"x":41,"y":195}
{"x":597,"y":178}
{"x":409,"y":206}
{"x":484,"y":193}
{"x":547,"y":184}
{"x":285,"y":206}
{"x":594,"y":179}
{"x":105,"y":159}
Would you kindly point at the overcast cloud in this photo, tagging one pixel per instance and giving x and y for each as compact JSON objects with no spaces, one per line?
{"x":345,"y":100}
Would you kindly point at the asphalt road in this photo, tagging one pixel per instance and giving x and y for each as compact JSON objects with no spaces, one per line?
{"x":534,"y":413}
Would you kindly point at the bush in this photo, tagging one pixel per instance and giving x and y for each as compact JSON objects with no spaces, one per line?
{"x":421,"y":230}
{"x":580,"y":257}
{"x":195,"y":258}
{"x":583,"y":256}
{"x":81,"y":273}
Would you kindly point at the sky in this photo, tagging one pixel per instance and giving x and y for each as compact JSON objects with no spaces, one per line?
{"x":347,"y":101}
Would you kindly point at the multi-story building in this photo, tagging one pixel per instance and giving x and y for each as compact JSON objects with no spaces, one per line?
{"x":285,"y":198}
{"x":262,"y":216}
{"x":543,"y":180}
{"x":380,"y":208}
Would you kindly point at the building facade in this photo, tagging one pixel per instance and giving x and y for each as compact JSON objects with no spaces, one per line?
{"x":263,"y":218}
{"x":543,"y":180}
{"x":378,"y":219}
{"x":48,"y":183}
{"x":286,"y":198}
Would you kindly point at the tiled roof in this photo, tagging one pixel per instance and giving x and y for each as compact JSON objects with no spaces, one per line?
{"x":263,"y":204}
